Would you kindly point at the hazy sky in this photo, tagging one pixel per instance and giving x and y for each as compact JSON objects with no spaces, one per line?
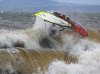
{"x":92,"y":2}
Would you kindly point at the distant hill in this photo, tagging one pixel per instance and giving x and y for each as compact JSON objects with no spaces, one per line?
{"x":74,"y":8}
{"x":34,"y":6}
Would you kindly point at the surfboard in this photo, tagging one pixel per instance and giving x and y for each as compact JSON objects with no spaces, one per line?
{"x":52,"y":18}
{"x":76,"y":26}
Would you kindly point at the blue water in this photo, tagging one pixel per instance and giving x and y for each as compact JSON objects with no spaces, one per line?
{"x":26,"y":20}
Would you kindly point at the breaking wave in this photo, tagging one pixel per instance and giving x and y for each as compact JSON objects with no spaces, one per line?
{"x":82,"y":53}
{"x":88,"y":61}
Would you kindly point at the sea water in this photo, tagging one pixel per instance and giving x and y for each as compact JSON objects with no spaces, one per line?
{"x":87,"y":51}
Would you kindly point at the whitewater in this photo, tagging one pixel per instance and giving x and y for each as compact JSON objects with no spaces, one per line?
{"x":88,"y":61}
{"x":86,"y":51}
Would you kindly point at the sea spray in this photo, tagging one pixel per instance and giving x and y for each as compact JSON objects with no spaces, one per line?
{"x":88,"y":63}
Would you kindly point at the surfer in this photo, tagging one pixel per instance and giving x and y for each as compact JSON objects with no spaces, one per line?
{"x":61,"y":15}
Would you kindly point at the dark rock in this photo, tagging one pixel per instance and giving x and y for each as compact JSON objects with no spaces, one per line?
{"x":19,"y":44}
{"x":46,"y":43}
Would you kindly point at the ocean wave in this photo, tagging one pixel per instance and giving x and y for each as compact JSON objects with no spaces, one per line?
{"x":64,"y":53}
{"x":88,"y":63}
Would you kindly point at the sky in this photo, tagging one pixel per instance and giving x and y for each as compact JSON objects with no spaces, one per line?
{"x":43,"y":2}
{"x":88,"y":2}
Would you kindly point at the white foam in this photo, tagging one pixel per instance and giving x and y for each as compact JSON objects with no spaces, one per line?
{"x":88,"y":63}
{"x":30,"y":37}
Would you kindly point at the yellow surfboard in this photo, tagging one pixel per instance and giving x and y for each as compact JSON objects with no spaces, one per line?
{"x":52,"y":18}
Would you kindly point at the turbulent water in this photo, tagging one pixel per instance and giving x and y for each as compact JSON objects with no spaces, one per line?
{"x":78,"y":56}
